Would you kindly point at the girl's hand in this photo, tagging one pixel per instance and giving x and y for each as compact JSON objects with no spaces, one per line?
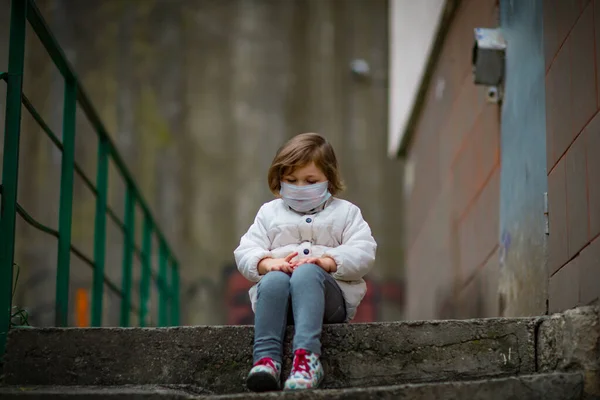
{"x":267,"y":265}
{"x":327,"y":263}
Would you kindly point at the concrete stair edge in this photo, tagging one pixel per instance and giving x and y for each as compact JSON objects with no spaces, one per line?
{"x":218,"y":358}
{"x":551,"y":386}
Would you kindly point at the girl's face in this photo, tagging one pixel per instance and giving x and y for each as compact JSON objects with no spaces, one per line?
{"x":306,"y":175}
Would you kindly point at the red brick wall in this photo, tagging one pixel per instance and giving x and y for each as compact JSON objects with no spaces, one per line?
{"x":572,"y":40}
{"x":453,"y":205}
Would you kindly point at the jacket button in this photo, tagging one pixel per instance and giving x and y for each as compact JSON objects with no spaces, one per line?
{"x":308,"y":220}
{"x":306,"y":251}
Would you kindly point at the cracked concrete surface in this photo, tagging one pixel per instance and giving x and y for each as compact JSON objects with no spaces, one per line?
{"x":535,"y":387}
{"x":217,"y":359}
{"x":571,"y":342}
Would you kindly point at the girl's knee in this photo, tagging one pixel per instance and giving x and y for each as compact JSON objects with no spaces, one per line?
{"x":306,"y":272}
{"x":274,"y":280}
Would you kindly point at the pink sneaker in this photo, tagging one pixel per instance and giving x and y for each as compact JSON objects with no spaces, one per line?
{"x":307,"y":372}
{"x":264,"y":376}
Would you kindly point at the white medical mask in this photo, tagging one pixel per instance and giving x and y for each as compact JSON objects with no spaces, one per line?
{"x":305,"y":198}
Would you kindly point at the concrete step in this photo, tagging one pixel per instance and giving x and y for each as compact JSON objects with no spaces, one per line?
{"x":125,"y":392}
{"x":217,"y":359}
{"x":533,"y":387}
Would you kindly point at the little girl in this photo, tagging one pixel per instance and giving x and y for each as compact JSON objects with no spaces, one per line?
{"x":308,"y":251}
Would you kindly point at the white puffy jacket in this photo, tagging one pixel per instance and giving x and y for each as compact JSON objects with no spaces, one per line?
{"x":338,"y":231}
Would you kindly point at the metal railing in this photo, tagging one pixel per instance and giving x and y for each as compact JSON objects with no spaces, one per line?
{"x":167,"y":280}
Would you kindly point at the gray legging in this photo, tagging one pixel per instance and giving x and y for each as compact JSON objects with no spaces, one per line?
{"x":316,"y":299}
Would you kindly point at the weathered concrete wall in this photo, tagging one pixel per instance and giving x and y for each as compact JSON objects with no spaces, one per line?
{"x":452,"y":210}
{"x":199,"y":95}
{"x":573,"y":137}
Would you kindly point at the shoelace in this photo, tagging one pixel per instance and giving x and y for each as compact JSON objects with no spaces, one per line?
{"x":268,"y":362}
{"x":301,"y":362}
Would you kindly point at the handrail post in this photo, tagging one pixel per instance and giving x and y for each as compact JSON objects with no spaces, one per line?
{"x":146,"y":272}
{"x":100,"y":232}
{"x":128,"y":249}
{"x":10,"y":162}
{"x":66,"y":204}
{"x":174,"y":294}
{"x":163,"y":287}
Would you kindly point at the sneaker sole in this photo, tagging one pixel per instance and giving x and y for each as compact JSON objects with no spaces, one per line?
{"x":262,"y":382}
{"x":316,"y":386}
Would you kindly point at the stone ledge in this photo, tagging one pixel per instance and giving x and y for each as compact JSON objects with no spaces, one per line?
{"x":571,"y":342}
{"x":217,"y":358}
{"x":535,"y":387}
{"x":141,"y":392}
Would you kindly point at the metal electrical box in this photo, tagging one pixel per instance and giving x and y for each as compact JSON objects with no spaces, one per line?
{"x":488,"y":57}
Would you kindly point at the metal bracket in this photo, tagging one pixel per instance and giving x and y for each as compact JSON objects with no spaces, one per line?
{"x":546,"y":215}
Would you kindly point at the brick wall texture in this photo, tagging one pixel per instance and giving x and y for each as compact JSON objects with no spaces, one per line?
{"x":572,"y":52}
{"x":453,"y":204}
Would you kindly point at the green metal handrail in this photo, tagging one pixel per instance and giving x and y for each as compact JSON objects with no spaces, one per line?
{"x":167,"y":281}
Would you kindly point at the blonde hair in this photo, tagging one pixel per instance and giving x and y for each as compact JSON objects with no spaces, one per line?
{"x":300,"y":151}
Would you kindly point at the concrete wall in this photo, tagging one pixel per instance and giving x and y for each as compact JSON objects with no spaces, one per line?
{"x":572,"y":37}
{"x":453,"y":204}
{"x":198,"y":95}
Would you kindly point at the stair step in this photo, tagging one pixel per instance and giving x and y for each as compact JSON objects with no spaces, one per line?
{"x":554,"y":386}
{"x":217,"y":358}
{"x":125,"y":392}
